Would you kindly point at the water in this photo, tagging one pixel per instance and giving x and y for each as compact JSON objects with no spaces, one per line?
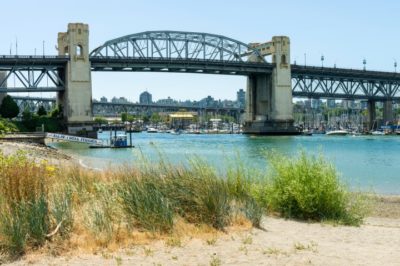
{"x":365,"y":162}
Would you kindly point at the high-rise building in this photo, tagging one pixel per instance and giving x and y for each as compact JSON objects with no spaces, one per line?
{"x":241,"y":97}
{"x":103,"y":99}
{"x":145,"y":98}
{"x":331,"y":103}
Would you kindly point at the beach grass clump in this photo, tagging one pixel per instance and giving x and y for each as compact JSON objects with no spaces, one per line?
{"x":308,"y":187}
{"x":243,"y":184}
{"x":198,"y":194}
{"x":143,"y":201}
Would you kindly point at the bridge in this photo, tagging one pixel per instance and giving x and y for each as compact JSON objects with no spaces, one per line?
{"x":270,"y":85}
{"x":114,"y":109}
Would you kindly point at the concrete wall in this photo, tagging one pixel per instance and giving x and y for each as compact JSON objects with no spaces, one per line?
{"x":77,"y":98}
{"x":282,"y":108}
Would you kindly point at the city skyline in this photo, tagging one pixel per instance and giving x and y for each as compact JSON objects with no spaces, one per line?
{"x":343,"y":42}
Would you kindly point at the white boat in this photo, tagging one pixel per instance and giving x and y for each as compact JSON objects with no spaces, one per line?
{"x":337,"y":133}
{"x":377,"y":133}
{"x":152,"y":130}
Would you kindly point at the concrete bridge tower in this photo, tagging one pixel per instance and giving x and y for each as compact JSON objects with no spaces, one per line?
{"x":76,"y":100}
{"x":3,"y":76}
{"x":269,"y":105}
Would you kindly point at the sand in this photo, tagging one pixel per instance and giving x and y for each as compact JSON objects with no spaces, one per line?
{"x":281,"y":242}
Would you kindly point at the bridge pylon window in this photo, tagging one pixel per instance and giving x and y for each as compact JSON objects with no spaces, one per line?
{"x":283,"y":59}
{"x":79,"y":50}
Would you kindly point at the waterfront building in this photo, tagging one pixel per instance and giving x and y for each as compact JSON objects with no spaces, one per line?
{"x":145,"y":98}
{"x":181,"y":119}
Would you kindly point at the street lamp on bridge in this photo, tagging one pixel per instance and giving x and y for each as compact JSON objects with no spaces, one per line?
{"x":322,"y":60}
{"x":364,"y":62}
{"x":395,"y":66}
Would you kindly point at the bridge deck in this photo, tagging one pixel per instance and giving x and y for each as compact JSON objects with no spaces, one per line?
{"x":308,"y":81}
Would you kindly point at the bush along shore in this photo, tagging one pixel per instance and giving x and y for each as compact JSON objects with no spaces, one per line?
{"x":72,"y":207}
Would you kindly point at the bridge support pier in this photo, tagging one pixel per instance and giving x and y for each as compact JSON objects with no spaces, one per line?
{"x":387,"y":111}
{"x":269,"y":108}
{"x":371,"y":114}
{"x":76,"y":100}
{"x":3,"y":75}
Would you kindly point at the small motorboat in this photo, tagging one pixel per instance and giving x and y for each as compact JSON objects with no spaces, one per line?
{"x":377,"y":133}
{"x":337,"y":133}
{"x":152,"y":130}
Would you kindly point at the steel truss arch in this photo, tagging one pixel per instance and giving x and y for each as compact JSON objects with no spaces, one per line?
{"x":176,"y":45}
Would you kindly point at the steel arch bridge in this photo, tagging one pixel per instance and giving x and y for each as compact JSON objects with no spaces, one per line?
{"x":193,"y":52}
{"x":177,"y":45}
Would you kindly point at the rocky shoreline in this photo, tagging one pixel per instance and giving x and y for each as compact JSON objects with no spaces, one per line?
{"x":38,"y":152}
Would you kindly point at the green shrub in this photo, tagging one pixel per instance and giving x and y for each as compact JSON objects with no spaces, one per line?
{"x":7,"y":126}
{"x":308,"y":187}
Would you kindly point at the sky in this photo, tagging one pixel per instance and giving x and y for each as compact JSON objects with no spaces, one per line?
{"x":345,"y":32}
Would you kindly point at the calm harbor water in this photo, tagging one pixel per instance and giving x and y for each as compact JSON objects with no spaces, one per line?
{"x":365,"y":162}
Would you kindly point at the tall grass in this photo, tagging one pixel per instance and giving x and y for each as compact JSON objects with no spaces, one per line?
{"x":145,"y":203}
{"x":24,"y":216}
{"x":39,"y":202}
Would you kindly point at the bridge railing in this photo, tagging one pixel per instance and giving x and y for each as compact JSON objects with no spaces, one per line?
{"x":160,"y":59}
{"x":336,"y":70}
{"x":35,"y":56}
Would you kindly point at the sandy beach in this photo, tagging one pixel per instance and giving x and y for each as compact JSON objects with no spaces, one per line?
{"x":280,"y":242}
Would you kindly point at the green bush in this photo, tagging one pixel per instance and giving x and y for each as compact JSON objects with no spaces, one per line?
{"x":7,"y":126}
{"x":308,"y":187}
{"x":51,"y":124}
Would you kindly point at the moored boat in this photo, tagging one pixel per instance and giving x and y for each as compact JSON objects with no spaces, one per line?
{"x":337,"y":133}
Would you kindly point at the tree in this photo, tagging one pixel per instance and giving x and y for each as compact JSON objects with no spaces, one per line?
{"x":26,"y":114}
{"x":100,"y":120}
{"x":130,"y":118}
{"x":9,"y":108}
{"x":57,"y":112}
{"x":124,"y":117}
{"x":41,"y":111}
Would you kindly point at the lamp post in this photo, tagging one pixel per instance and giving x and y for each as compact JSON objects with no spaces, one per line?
{"x":364,"y":62}
{"x":43,"y":48}
{"x":395,"y":66}
{"x":305,"y":59}
{"x":322,"y":60}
